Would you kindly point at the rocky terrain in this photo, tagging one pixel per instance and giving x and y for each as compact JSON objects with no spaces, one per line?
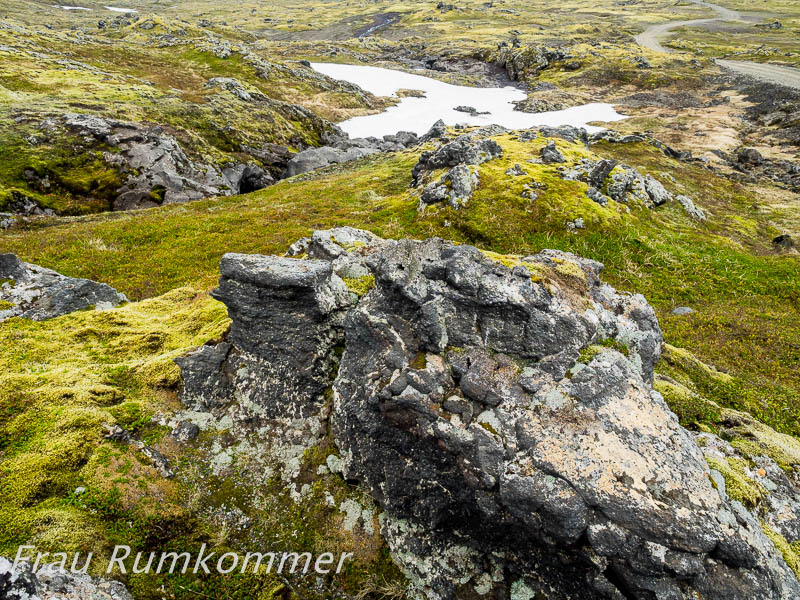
{"x":479,"y":362}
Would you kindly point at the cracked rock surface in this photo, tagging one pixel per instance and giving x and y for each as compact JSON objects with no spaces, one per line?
{"x":500,"y":411}
{"x":33,"y":292}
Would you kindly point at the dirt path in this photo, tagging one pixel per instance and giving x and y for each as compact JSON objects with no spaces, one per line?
{"x":652,"y":36}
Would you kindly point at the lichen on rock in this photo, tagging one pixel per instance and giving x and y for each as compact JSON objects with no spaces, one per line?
{"x":505,"y":456}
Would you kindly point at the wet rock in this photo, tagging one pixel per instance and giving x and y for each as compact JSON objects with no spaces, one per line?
{"x":551,"y":154}
{"x":36,"y":293}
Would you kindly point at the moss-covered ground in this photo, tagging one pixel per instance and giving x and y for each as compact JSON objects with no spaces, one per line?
{"x":744,"y":295}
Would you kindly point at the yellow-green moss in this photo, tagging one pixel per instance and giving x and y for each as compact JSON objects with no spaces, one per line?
{"x":737,"y":484}
{"x":693,"y":411}
{"x":790,"y":552}
{"x":360,"y":285}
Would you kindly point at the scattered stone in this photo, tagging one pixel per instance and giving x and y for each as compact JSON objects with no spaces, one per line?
{"x":185,"y":431}
{"x":691,"y":209}
{"x":749,"y":156}
{"x":464,"y":150}
{"x":682,"y":310}
{"x":471,"y":110}
{"x":36,"y":293}
{"x":455,"y":187}
{"x":656,"y":191}
{"x":597,"y":196}
{"x":641,"y":62}
{"x":51,"y":583}
{"x":234,"y":86}
{"x":551,"y":154}
{"x":516,"y":171}
{"x":576,"y":224}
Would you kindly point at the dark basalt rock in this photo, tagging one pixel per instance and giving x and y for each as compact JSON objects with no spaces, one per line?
{"x":37,"y":293}
{"x":286,"y":318}
{"x":466,"y":149}
{"x":551,"y":154}
{"x":502,"y":414}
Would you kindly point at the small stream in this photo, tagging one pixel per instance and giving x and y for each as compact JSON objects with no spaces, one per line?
{"x":441,"y":99}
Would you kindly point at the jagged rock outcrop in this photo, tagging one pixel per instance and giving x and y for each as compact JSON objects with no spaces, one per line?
{"x":51,"y":583}
{"x":156,"y":168}
{"x":500,"y":410}
{"x":608,"y":179}
{"x":454,"y":187}
{"x":551,"y":154}
{"x":528,"y":60}
{"x":467,"y":149}
{"x":33,"y":292}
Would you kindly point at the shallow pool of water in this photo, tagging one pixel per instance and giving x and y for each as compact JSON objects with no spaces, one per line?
{"x":418,"y":114}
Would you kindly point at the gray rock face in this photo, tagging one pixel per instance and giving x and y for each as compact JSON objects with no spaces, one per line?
{"x":286,"y":321}
{"x":551,"y":154}
{"x":316,"y":158}
{"x":466,"y":149}
{"x":36,"y":293}
{"x":157,"y":169}
{"x":346,"y":150}
{"x":455,"y":187}
{"x":501,"y":413}
{"x":581,"y":457}
{"x":50,"y":583}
